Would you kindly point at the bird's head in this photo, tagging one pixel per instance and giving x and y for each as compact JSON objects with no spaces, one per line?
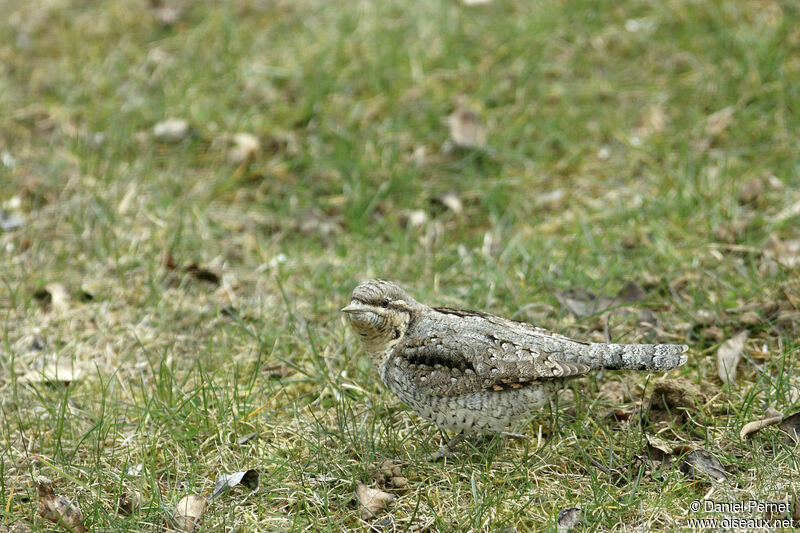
{"x":380,"y":313}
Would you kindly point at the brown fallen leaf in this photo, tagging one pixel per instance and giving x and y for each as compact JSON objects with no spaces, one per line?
{"x":771,"y":417}
{"x":751,"y":191}
{"x":584,"y":303}
{"x":728,"y":356}
{"x":466,"y":128}
{"x":189,"y":511}
{"x":703,"y":462}
{"x":58,"y":509}
{"x":129,"y":501}
{"x":791,"y":425}
{"x":568,"y":518}
{"x":372,"y":501}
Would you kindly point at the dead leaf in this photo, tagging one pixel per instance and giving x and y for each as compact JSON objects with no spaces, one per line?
{"x":584,"y":303}
{"x":704,"y":318}
{"x":717,"y":122}
{"x":55,"y":372}
{"x":658,"y":449}
{"x":10,"y":222}
{"x":568,"y":518}
{"x":476,"y":2}
{"x":244,"y":147}
{"x":791,"y":425}
{"x":58,"y":509}
{"x":248,"y":478}
{"x":202,"y":274}
{"x":466,"y":128}
{"x":129,"y":501}
{"x":171,"y":130}
{"x":551,"y":200}
{"x":751,"y":191}
{"x":728,"y":356}
{"x":701,"y":461}
{"x":189,"y":511}
{"x":244,"y":439}
{"x":749,"y":318}
{"x":416,"y":218}
{"x":53,"y":296}
{"x":785,"y":253}
{"x":652,"y":121}
{"x":168,"y":15}
{"x":771,"y":417}
{"x":452,"y":201}
{"x":372,"y":501}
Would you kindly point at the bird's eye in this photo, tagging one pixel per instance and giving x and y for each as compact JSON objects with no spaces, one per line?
{"x":385,"y":302}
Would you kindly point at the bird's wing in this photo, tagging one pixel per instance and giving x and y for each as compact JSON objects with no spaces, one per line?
{"x":450,"y":366}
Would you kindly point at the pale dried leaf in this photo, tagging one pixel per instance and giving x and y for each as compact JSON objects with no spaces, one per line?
{"x":551,"y":200}
{"x":789,"y":212}
{"x":53,"y":296}
{"x":372,"y":501}
{"x":452,"y":201}
{"x":476,"y":2}
{"x":701,"y":461}
{"x":247,"y":478}
{"x":582,"y":302}
{"x":244,"y":439}
{"x":62,"y":371}
{"x":189,"y":511}
{"x":719,"y":121}
{"x":657,"y":448}
{"x":771,"y":417}
{"x":466,"y":129}
{"x":728,"y":356}
{"x":171,"y":130}
{"x":244,"y":146}
{"x":10,"y":222}
{"x":58,"y":509}
{"x":416,"y":218}
{"x":652,"y":121}
{"x":568,"y":518}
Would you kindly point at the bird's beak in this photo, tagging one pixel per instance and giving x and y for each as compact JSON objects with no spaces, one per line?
{"x":354,"y":307}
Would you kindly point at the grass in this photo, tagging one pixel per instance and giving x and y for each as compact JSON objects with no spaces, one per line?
{"x":647,"y":120}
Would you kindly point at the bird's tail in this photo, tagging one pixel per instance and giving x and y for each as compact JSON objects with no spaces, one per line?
{"x":633,"y":356}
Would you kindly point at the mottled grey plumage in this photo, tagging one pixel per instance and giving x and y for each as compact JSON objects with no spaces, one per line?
{"x":471,"y":372}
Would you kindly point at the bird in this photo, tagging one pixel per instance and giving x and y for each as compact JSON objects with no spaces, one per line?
{"x":474,"y":373}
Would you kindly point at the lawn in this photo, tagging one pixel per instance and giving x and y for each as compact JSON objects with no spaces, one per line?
{"x":189,"y":192}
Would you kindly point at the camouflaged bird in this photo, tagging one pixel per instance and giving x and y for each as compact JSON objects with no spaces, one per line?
{"x":474,"y":373}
